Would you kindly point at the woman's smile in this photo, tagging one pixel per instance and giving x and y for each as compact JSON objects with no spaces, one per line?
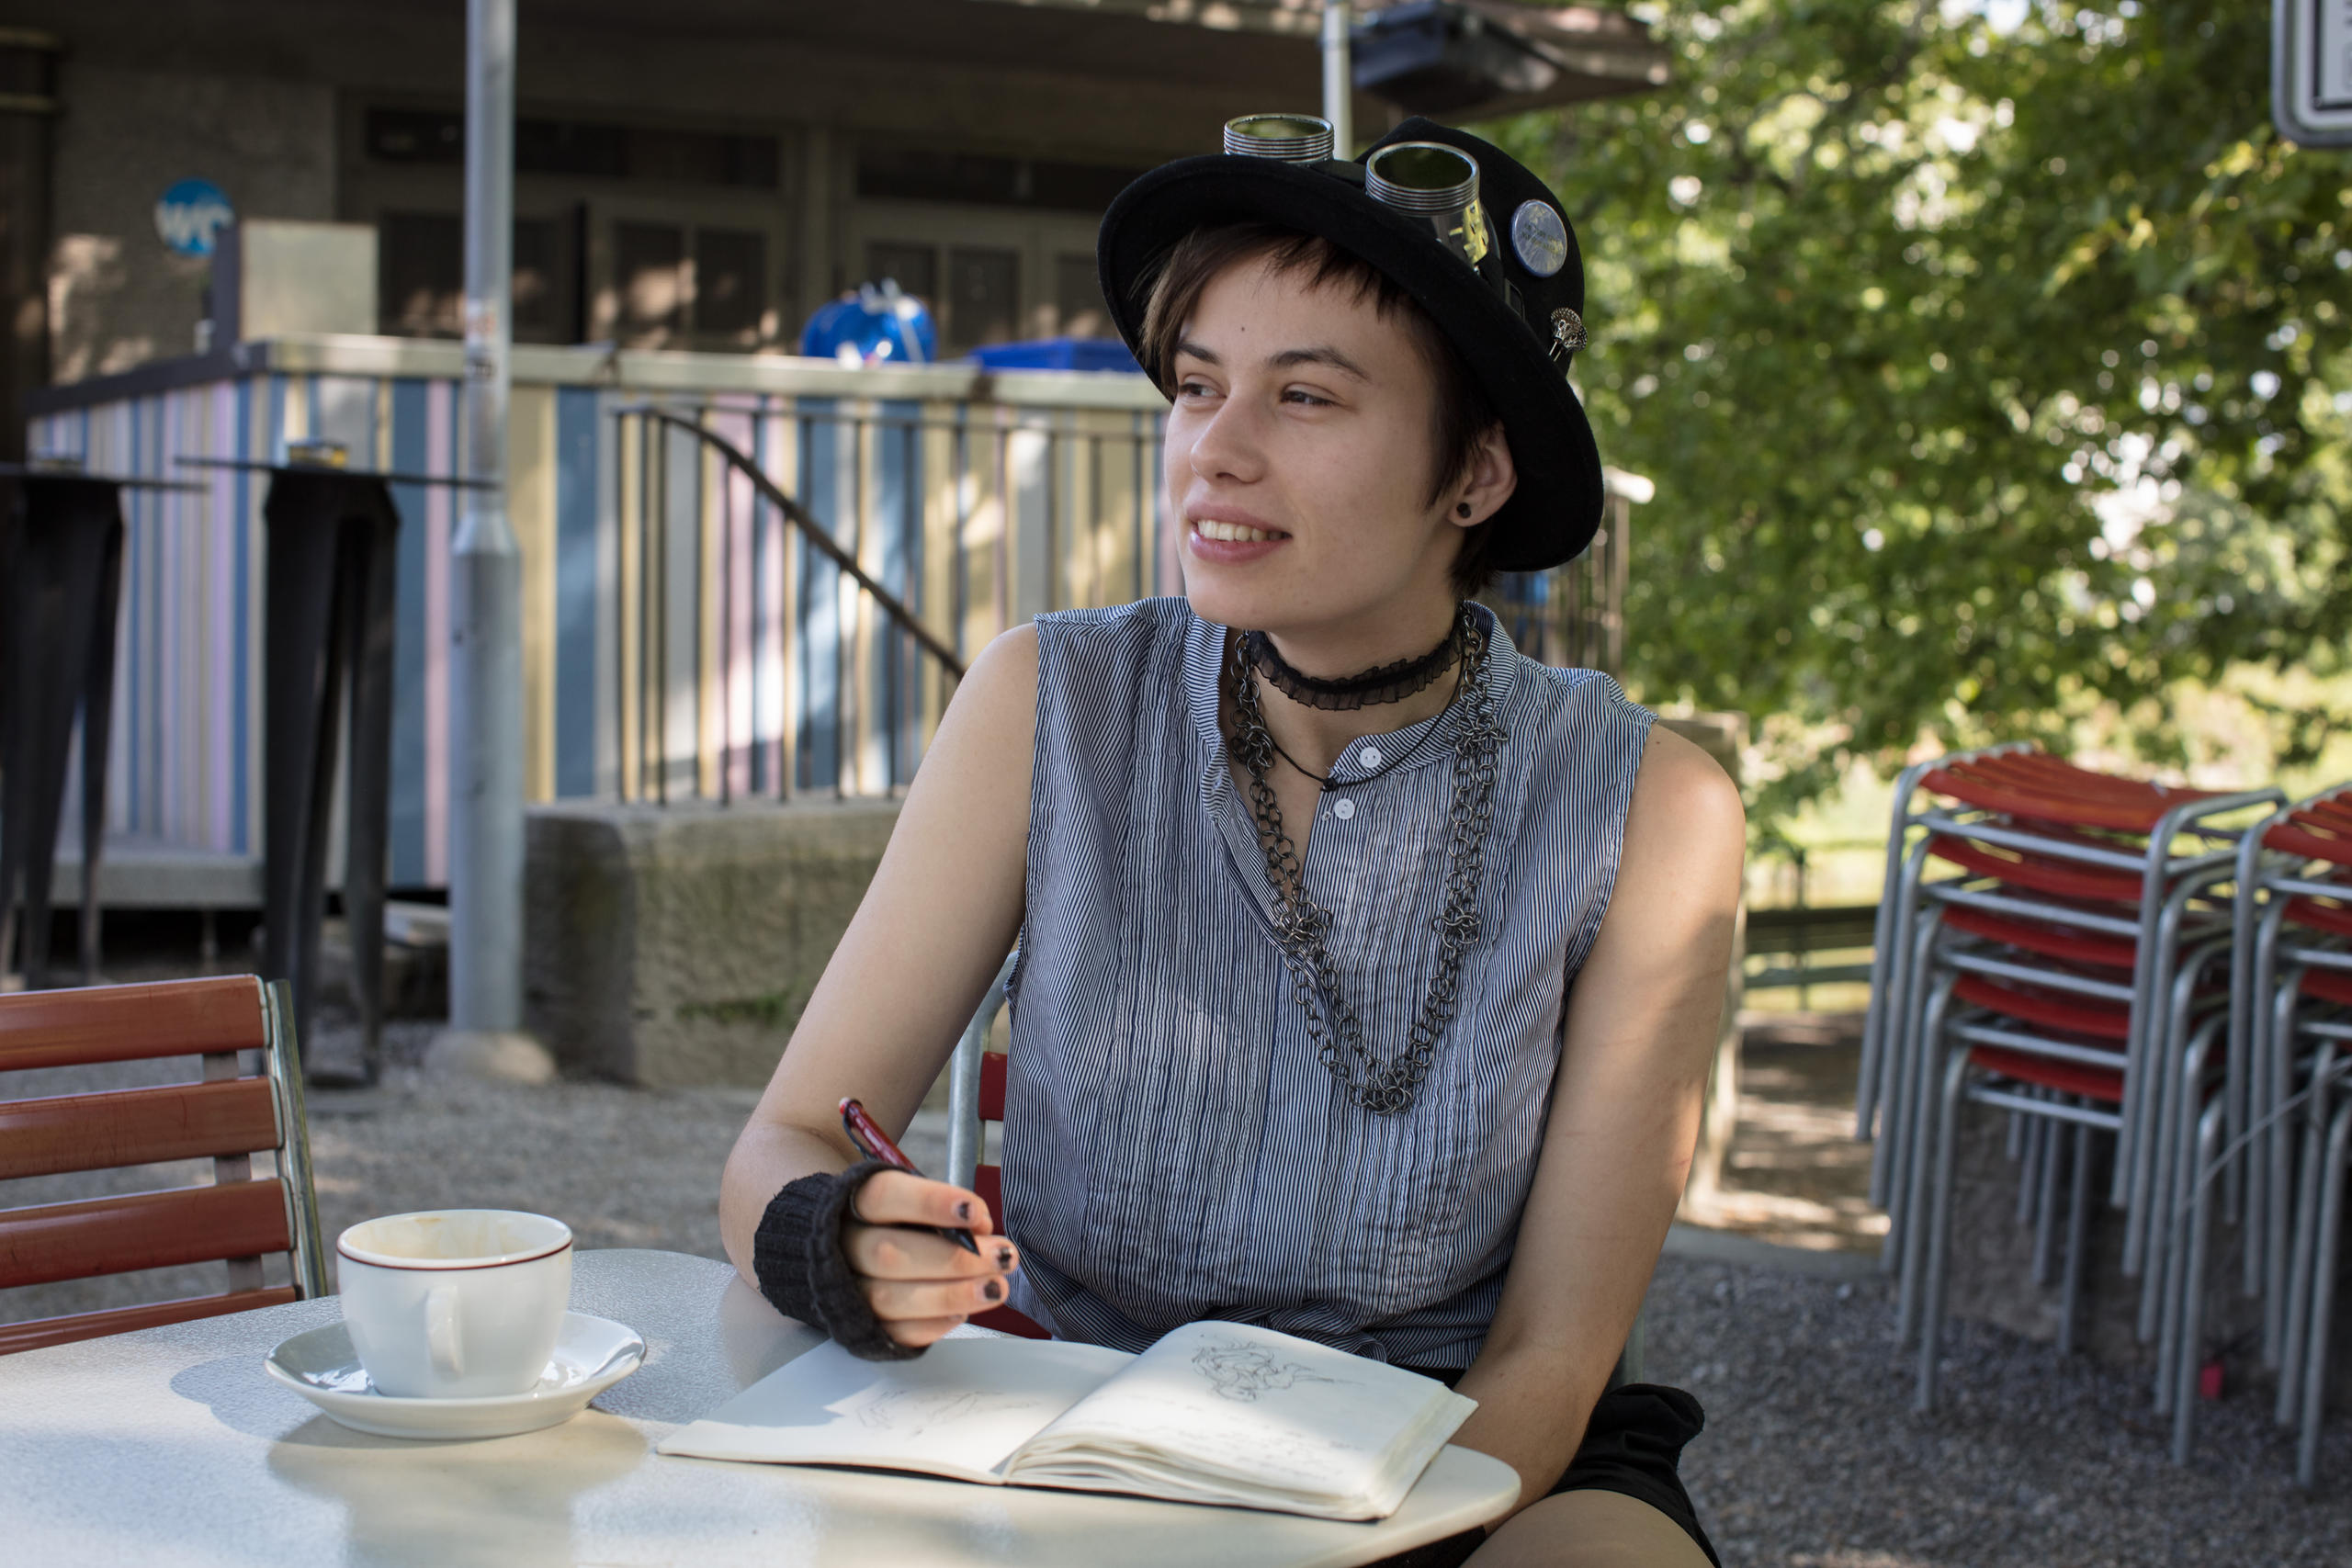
{"x":1229,"y":536}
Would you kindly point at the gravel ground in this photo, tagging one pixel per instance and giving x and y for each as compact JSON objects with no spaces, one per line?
{"x":1812,"y":1458}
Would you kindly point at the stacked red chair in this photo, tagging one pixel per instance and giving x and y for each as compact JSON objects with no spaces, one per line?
{"x":2054,"y":941}
{"x":2292,"y":1020}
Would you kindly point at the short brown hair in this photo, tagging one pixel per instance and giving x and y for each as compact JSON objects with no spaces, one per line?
{"x":1464,"y":414}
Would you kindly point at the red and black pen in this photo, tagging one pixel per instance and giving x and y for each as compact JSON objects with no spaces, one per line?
{"x":868,"y":1135}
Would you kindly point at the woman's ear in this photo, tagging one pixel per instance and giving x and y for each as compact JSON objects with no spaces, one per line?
{"x":1489,"y":482}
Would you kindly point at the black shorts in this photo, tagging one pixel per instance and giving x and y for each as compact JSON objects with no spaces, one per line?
{"x":1631,"y":1445}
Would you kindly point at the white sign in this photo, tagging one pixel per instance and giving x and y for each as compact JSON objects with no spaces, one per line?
{"x":2311,"y":71}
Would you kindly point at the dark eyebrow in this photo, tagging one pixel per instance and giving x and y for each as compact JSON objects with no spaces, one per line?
{"x":1322,"y":354}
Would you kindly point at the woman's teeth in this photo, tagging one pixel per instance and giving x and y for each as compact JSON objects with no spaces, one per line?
{"x":1234,"y":532}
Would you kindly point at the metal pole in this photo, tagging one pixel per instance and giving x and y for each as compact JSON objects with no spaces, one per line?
{"x":1339,"y":83}
{"x":486,"y":707}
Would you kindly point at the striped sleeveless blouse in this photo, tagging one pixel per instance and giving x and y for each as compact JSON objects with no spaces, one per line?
{"x":1174,"y":1149}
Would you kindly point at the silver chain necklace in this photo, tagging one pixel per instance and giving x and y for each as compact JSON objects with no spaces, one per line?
{"x":1302,"y":926}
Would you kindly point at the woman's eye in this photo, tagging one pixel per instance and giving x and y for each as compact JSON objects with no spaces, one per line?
{"x":1301,"y":395}
{"x":1193,"y":390}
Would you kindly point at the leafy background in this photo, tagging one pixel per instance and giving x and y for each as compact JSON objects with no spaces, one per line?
{"x":1991,"y":371}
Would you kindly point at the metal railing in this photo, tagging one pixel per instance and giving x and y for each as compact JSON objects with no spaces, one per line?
{"x":769,"y":644}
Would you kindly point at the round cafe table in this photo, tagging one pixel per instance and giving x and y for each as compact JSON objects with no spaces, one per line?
{"x":171,"y":1447}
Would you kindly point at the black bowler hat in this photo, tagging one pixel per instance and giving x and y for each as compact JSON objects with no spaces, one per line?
{"x":1501,"y":276}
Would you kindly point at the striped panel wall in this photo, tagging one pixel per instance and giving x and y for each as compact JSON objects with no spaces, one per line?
{"x":773,"y":675}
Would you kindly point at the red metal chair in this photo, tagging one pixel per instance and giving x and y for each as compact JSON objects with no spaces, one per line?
{"x":2317,"y":1201}
{"x":2046,"y":1047}
{"x":2298,"y":913}
{"x":2125,"y":860}
{"x":974,"y":1100}
{"x":227,"y":1116}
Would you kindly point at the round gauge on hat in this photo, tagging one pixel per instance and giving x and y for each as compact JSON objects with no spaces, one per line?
{"x":1539,"y":238}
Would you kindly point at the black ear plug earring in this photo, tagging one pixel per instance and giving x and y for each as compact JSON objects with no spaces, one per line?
{"x":1462,"y":510}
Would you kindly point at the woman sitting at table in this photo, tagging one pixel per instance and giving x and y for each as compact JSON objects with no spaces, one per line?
{"x":1369,"y":971}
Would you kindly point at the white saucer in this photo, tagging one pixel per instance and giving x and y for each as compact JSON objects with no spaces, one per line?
{"x":590,"y":1354}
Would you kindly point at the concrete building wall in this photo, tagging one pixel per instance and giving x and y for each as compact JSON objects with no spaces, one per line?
{"x":262,"y":97}
{"x":118,"y":296}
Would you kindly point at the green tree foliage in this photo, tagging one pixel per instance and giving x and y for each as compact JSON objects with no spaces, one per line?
{"x":1983,"y":375}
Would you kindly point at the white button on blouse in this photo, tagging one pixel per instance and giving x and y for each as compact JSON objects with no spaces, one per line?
{"x":1369,"y":756}
{"x":1344,"y":808}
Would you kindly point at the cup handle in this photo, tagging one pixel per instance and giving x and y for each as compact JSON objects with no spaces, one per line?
{"x":441,"y":1331}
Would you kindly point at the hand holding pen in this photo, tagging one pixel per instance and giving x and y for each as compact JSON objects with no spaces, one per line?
{"x":921,"y":1276}
{"x":875,"y":1144}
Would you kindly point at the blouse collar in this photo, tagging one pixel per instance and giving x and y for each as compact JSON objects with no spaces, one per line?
{"x":1204,"y":665}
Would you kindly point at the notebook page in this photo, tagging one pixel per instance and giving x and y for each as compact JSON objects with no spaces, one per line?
{"x":1231,"y":1412}
{"x":958,"y":1409}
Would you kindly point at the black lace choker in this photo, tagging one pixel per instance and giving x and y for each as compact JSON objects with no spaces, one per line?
{"x":1381,"y":683}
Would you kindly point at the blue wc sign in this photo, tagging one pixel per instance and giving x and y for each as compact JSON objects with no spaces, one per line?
{"x":191,"y":215}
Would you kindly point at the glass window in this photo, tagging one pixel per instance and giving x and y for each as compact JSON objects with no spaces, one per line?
{"x":540,"y":296}
{"x":731,"y":284}
{"x":420,"y":277}
{"x":650,"y":272}
{"x":420,"y":274}
{"x":983,"y":296}
{"x":1077,"y":298}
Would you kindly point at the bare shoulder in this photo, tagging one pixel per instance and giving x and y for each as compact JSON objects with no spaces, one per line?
{"x":990,"y":725}
{"x":1683,"y":787}
{"x":1003,"y":679}
{"x":1685,"y":829}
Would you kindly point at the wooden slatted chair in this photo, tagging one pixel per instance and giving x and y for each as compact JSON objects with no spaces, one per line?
{"x":226,"y":1116}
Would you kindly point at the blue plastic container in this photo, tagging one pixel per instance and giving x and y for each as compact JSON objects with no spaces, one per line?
{"x":1059,"y":353}
{"x":872,"y":326}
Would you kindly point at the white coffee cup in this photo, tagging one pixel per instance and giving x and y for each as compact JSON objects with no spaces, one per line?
{"x":454,"y":1303}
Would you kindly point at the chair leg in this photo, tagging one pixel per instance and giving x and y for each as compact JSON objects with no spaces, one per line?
{"x":2281,"y":1209}
{"x":2025,"y":1153}
{"x":1890,"y":937}
{"x":2160,"y":1064}
{"x":2190,"y":1353}
{"x":2078,"y":1206}
{"x":2147,"y":1224}
{"x":2163,"y":1226}
{"x":1908,"y":1242}
{"x":2186,"y":1182}
{"x":1931,"y":1325}
{"x":2266,"y":1158}
{"x":1890,"y":1155}
{"x":2045,"y":1207}
{"x":2331,"y":1229}
{"x":2299,"y":1274}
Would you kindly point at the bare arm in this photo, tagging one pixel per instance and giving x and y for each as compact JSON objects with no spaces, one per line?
{"x":1641,"y":1032}
{"x":940,"y":915}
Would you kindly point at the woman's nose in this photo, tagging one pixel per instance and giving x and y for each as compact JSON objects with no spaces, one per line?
{"x":1228,"y":443}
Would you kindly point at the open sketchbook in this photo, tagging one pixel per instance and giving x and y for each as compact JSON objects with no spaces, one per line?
{"x":1213,"y":1413}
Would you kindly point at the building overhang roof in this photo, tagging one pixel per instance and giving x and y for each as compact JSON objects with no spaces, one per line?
{"x":1561,"y":54}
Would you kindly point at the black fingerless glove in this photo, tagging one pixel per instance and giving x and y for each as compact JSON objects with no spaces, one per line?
{"x":796,"y":1254}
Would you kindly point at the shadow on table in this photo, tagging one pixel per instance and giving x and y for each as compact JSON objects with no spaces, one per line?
{"x":496,"y":1501}
{"x":502,"y":1500}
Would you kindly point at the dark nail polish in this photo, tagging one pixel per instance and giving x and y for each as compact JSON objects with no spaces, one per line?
{"x":964,"y":1210}
{"x":993,"y":1290}
{"x":1004,"y":1257}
